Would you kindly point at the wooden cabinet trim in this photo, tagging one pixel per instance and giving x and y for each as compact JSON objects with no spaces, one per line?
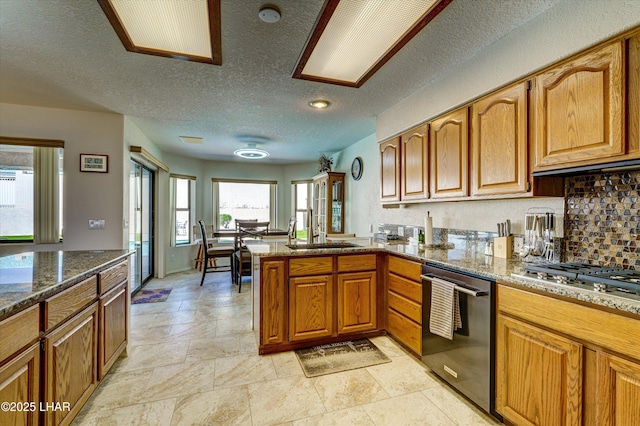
{"x":18,"y":330}
{"x":65,"y":304}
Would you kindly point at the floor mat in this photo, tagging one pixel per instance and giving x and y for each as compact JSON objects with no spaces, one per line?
{"x":336,"y":357}
{"x":151,"y":296}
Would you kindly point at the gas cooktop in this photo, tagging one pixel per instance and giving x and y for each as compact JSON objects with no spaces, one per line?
{"x":603,"y":278}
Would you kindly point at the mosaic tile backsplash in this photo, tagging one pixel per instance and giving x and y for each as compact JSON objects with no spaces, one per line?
{"x":602,"y":223}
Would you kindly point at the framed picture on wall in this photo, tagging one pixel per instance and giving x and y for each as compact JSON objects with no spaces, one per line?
{"x":94,"y":163}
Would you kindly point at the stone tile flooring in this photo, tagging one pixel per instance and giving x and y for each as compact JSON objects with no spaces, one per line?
{"x":193,"y":360}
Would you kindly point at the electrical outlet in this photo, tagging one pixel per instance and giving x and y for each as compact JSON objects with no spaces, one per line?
{"x":400,"y":231}
{"x":96,"y":223}
{"x":518,"y":244}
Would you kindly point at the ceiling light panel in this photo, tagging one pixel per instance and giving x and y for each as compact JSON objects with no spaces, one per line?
{"x":175,"y":28}
{"x":360,"y":36}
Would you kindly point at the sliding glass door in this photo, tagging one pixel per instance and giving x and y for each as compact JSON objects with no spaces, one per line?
{"x":141,"y":224}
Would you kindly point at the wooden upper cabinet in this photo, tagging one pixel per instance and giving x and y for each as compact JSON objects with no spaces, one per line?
{"x":390,"y":170}
{"x":414,"y":168}
{"x":499,"y":142}
{"x":579,"y":111}
{"x":449,"y":137}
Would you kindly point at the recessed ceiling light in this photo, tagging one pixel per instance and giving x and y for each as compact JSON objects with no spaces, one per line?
{"x":251,"y":152}
{"x":188,"y":30}
{"x":190,"y":139}
{"x":319,"y":104}
{"x":269,"y":14}
{"x":351,"y":40}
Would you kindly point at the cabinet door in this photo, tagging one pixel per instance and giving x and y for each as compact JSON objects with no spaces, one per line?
{"x":538,"y":375}
{"x":310,"y":307}
{"x":335,"y":204}
{"x":449,"y":137}
{"x":618,"y":391}
{"x":71,"y":361}
{"x":356,"y":302}
{"x":415,"y":164}
{"x":114,"y":310}
{"x":20,"y":383}
{"x":499,"y":142}
{"x":273,"y":302}
{"x":580,"y":110}
{"x":390,"y":170}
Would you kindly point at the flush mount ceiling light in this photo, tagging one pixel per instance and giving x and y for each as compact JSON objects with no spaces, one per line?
{"x":188,"y":30}
{"x":351,"y":40}
{"x":190,"y":139}
{"x":251,"y":152}
{"x":319,"y":104}
{"x":269,"y":14}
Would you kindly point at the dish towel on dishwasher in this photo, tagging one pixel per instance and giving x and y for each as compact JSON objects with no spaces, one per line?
{"x":445,"y":309}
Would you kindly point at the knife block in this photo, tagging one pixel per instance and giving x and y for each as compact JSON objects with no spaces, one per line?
{"x":503,"y":247}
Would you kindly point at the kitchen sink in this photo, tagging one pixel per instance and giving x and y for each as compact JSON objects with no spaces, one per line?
{"x":312,"y":246}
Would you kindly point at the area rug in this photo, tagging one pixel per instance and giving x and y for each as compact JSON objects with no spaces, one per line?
{"x":151,"y":296}
{"x":336,"y":357}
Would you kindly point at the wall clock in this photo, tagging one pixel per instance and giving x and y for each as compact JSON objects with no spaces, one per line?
{"x":356,"y":168}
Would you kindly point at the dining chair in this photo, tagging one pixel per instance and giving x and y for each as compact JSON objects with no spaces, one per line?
{"x":212,"y":253}
{"x":242,"y":257}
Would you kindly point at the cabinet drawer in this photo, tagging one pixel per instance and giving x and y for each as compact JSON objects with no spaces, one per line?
{"x":357,"y":262}
{"x":405,"y":330}
{"x":406,"y":307}
{"x":112,"y":277}
{"x":406,"y":288}
{"x":405,"y":268}
{"x":65,"y":304}
{"x":18,"y":331}
{"x":310,"y":266}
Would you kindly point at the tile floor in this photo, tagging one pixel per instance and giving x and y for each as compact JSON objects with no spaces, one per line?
{"x":192,"y":360}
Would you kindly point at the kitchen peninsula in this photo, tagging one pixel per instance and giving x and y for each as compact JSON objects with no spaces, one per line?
{"x":588,"y":338}
{"x":64,"y":321}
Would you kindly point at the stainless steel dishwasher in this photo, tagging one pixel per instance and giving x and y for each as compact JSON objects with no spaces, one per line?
{"x":466,"y":362}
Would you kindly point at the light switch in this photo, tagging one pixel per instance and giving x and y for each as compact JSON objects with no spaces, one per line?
{"x":96,"y":223}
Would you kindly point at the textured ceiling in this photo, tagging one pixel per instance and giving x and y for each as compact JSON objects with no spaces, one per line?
{"x":65,"y":54}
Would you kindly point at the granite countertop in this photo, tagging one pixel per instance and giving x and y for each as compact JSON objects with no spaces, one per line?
{"x":29,"y":278}
{"x":467,"y":257}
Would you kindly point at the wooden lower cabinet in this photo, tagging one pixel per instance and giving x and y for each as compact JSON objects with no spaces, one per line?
{"x":113,"y":327}
{"x":70,"y":366}
{"x":540,"y":377}
{"x":618,"y":391}
{"x":356,"y":302}
{"x":20,"y":384}
{"x":310,"y":307}
{"x":561,"y":363}
{"x":273,"y":302}
{"x":404,"y":300}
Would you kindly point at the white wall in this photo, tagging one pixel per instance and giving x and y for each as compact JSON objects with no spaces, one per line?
{"x":86,"y":195}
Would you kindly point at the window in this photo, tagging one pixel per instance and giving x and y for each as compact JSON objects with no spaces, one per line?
{"x":183,"y":202}
{"x":243,"y":200}
{"x":301,"y":200}
{"x":31,"y":177}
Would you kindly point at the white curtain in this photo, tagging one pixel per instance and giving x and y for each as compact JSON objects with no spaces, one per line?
{"x":46,"y":216}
